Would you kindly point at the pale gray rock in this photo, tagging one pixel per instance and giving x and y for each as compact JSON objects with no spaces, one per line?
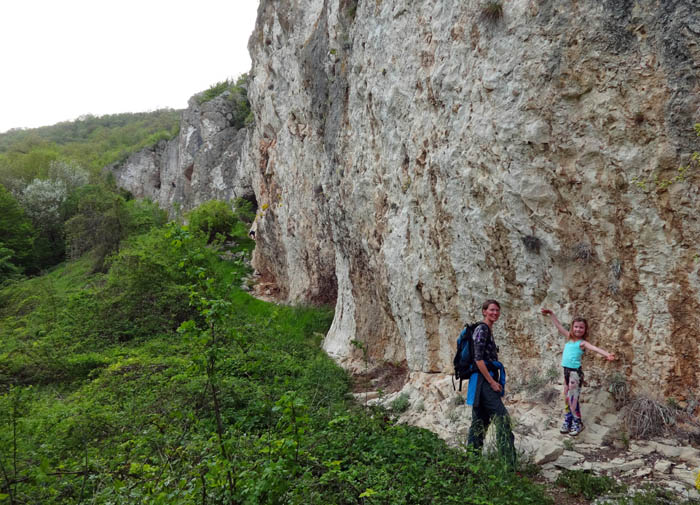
{"x":634,"y":464}
{"x":204,"y":162}
{"x":663,"y":466}
{"x":685,"y":476}
{"x":415,"y":159}
{"x":644,"y":472}
{"x":569,"y":460}
{"x":547,"y":452}
{"x":668,"y":451}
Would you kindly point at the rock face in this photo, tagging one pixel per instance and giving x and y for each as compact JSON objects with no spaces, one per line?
{"x":203,"y":163}
{"x":411,"y":159}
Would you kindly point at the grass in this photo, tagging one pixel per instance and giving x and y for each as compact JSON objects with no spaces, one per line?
{"x":588,"y":485}
{"x":649,"y":495}
{"x":238,"y":405}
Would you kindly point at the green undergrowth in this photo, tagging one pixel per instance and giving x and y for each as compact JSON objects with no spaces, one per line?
{"x":161,"y":382}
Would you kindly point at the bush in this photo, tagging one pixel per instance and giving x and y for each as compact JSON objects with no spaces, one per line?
{"x":400,"y":404}
{"x":100,"y":222}
{"x":237,"y":97}
{"x":244,"y":210}
{"x":492,"y":11}
{"x":646,"y":417}
{"x":16,"y":236}
{"x":146,"y":293}
{"x":214,"y":219}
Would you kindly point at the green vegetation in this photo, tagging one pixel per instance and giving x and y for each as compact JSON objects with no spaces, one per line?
{"x":16,"y":236}
{"x":214,"y":219}
{"x":401,"y":403}
{"x":650,"y":496}
{"x":54,"y":199}
{"x":237,"y":95}
{"x":160,"y":382}
{"x":579,"y":482}
{"x":90,"y":141}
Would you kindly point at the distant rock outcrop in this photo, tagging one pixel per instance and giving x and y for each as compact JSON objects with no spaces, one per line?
{"x":202,"y":163}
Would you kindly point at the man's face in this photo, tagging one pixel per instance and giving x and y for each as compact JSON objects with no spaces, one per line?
{"x":492,"y":313}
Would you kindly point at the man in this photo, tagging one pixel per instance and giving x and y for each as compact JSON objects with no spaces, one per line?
{"x":488,"y":406}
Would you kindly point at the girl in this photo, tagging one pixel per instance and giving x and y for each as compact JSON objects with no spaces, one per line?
{"x":573,"y":375}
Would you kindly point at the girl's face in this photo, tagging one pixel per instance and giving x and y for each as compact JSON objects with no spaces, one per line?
{"x":492,"y":313}
{"x":578,"y":329}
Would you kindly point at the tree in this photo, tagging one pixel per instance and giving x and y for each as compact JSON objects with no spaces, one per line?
{"x":16,"y":236}
{"x":100,"y":222}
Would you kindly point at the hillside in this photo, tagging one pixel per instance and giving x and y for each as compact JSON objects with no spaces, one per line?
{"x":162,"y":382}
{"x":90,"y":141}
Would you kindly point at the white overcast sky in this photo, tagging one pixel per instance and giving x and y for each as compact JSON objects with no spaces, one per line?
{"x":62,"y":59}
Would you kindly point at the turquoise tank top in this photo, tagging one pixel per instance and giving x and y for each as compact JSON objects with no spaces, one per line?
{"x":571,"y":358}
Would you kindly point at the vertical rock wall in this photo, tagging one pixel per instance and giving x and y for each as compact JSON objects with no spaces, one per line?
{"x":204,"y":162}
{"x":413,"y":158}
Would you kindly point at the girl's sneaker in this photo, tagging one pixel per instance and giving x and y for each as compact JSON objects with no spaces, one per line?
{"x":566,"y":426}
{"x":576,"y":427}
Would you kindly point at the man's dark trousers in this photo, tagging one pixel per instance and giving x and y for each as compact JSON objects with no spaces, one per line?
{"x":488,"y":408}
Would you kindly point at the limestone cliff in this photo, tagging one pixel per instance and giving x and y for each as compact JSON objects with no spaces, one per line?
{"x":202,"y":163}
{"x":413,"y":158}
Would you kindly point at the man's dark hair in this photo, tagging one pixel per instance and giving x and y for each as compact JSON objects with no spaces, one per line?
{"x":486,"y":304}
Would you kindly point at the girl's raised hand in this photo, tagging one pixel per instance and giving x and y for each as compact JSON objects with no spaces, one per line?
{"x":546,"y":312}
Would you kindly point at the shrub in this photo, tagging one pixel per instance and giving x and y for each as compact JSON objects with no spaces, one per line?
{"x":16,"y":236}
{"x":401,"y":403}
{"x":244,"y":210}
{"x":617,"y":386}
{"x":492,"y":11}
{"x":214,"y":219}
{"x":100,"y":223}
{"x":646,"y":417}
{"x":146,"y":293}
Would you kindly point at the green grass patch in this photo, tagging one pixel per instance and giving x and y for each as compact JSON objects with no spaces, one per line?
{"x":582,"y":483}
{"x":233,"y":401}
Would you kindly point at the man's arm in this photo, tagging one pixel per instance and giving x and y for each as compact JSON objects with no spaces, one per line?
{"x":485,"y":372}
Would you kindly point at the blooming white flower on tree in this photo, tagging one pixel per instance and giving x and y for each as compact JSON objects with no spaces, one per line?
{"x":42,"y":200}
{"x":71,"y":173}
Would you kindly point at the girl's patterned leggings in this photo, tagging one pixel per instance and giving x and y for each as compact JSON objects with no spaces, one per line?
{"x":572,"y":390}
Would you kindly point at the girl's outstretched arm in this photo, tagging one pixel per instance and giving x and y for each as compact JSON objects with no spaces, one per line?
{"x":560,"y":327}
{"x":609,"y":356}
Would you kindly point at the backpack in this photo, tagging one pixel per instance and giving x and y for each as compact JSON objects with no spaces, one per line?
{"x":463,"y":361}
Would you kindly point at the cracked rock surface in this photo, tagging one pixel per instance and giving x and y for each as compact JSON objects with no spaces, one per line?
{"x":411,"y":159}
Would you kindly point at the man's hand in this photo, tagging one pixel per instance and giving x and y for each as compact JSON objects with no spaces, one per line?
{"x":496,"y":386}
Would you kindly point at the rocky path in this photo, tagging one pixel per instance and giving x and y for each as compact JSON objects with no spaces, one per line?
{"x":602,"y":448}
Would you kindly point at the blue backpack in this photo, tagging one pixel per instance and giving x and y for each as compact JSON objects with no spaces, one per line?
{"x":463,"y":361}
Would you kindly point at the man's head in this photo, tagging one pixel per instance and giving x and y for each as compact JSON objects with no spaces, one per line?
{"x":491,"y":310}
